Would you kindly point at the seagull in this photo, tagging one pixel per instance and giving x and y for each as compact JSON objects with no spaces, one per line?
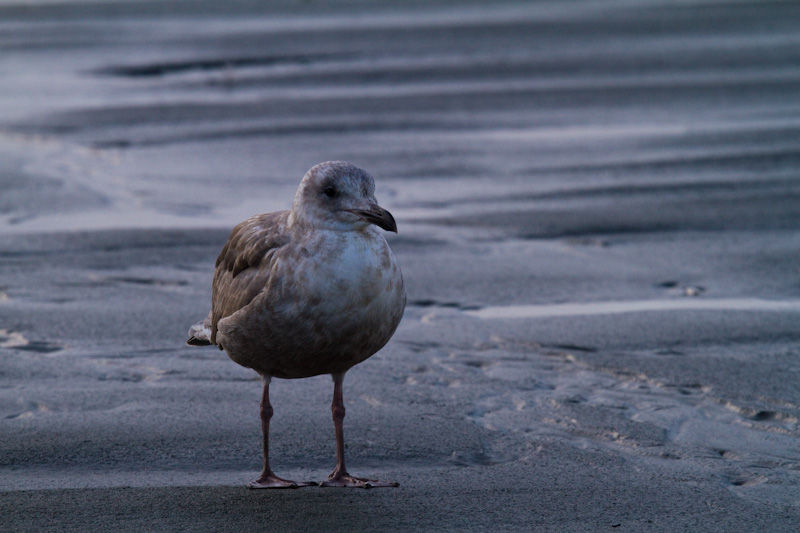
{"x":309,"y":291}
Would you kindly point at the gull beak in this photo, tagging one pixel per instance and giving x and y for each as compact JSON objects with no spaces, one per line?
{"x":377,"y":215}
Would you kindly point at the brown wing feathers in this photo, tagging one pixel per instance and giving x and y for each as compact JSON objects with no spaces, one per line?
{"x":237,"y":278}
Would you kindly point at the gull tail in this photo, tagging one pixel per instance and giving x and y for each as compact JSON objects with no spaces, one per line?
{"x":200,"y":333}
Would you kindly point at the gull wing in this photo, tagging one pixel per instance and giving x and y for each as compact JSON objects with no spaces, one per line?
{"x":243,"y":270}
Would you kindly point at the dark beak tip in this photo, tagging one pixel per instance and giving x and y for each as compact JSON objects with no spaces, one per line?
{"x":388,"y":225}
{"x":380,"y":217}
{"x":392,"y":225}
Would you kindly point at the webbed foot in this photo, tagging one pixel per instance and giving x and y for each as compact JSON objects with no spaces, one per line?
{"x":274,"y":482}
{"x":346,"y":480}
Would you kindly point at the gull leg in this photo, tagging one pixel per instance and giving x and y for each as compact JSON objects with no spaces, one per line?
{"x":268,"y":480}
{"x":339,"y":477}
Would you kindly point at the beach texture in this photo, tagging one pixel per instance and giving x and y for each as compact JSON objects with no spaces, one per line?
{"x":598,"y":207}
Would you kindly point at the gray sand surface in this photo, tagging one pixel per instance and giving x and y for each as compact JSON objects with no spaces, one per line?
{"x":599,"y":214}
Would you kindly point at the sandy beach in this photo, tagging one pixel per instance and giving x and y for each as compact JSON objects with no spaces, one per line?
{"x":599,"y":228}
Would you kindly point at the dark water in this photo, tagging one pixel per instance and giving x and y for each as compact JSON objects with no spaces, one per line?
{"x":501,"y":117}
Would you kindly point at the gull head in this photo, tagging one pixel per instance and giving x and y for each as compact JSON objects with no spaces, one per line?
{"x":336,"y":195}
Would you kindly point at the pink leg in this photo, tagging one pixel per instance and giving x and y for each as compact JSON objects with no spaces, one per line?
{"x":268,"y":480}
{"x":340,"y":477}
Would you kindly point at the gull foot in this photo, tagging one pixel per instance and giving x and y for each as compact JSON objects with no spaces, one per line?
{"x":274,"y":482}
{"x":356,"y":482}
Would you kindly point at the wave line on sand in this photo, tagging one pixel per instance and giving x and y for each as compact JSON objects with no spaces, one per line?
{"x":634,"y":306}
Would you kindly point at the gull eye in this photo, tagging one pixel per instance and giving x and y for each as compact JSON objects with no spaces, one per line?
{"x":330,"y":192}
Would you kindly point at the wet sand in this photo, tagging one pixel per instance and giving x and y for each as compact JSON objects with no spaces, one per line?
{"x":598,"y":206}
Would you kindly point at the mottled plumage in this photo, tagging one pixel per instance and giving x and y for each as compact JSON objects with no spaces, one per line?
{"x":313,"y":290}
